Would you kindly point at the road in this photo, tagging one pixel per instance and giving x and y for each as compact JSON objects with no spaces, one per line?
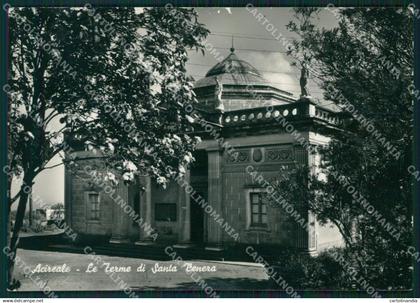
{"x":69,"y":271}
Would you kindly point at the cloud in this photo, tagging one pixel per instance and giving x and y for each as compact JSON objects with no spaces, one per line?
{"x":227,"y":9}
{"x":276,"y":68}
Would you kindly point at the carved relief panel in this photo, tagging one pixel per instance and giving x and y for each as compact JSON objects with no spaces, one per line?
{"x":259,"y":155}
{"x":279,"y":154}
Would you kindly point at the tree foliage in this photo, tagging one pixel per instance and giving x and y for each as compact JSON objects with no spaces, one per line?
{"x":112,"y":80}
{"x":365,"y":66}
{"x":115,"y":78}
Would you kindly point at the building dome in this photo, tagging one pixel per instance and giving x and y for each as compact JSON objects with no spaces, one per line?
{"x":232,"y":71}
{"x":232,"y":64}
{"x":243,"y":87}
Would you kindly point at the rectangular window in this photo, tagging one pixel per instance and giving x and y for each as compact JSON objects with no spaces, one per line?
{"x":258,"y":210}
{"x":134,"y":198}
{"x":93,"y":204}
{"x":165,"y":212}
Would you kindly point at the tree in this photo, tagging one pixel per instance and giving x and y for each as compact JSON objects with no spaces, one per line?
{"x":57,"y":206}
{"x":115,"y":79}
{"x":364,"y":65}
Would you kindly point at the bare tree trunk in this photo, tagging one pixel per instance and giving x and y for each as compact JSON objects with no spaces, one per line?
{"x":14,"y":240}
{"x":9,"y":192}
{"x":30,"y":210}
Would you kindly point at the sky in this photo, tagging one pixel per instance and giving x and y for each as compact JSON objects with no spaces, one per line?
{"x":253,"y":43}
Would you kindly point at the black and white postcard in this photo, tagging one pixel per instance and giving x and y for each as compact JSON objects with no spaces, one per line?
{"x":179,"y":151}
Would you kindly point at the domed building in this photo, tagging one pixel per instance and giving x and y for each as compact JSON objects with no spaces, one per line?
{"x":241,"y":81}
{"x":251,"y":132}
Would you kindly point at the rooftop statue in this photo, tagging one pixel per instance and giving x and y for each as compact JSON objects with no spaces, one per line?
{"x":304,"y":75}
{"x":218,"y":93}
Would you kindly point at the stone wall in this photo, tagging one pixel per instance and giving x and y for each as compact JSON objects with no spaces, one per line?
{"x":237,"y":184}
{"x":78,"y":184}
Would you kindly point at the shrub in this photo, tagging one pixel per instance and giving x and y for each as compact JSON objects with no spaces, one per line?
{"x":305,"y":272}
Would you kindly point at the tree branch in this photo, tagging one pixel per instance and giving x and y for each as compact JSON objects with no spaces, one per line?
{"x":52,"y":166}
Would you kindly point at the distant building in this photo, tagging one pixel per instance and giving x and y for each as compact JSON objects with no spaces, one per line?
{"x":49,"y":215}
{"x":41,"y":214}
{"x":232,"y":201}
{"x":54,"y":214}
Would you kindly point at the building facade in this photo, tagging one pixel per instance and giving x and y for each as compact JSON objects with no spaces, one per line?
{"x":253,"y":131}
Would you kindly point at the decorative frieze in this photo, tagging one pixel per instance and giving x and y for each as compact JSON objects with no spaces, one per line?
{"x":279,"y":154}
{"x":260,"y":155}
{"x":241,"y":156}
